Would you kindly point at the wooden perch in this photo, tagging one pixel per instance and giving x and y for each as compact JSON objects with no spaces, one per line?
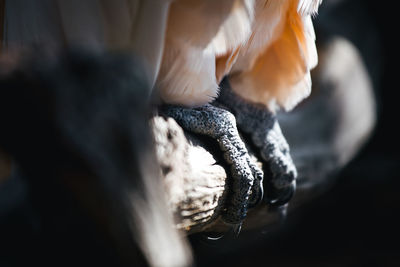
{"x":195,"y":178}
{"x":194,"y":183}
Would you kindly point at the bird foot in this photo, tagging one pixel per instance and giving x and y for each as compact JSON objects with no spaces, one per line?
{"x":220,"y":124}
{"x":263,"y":127}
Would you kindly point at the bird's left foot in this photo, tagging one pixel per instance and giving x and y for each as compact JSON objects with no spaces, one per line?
{"x":263,"y":127}
{"x":220,"y":124}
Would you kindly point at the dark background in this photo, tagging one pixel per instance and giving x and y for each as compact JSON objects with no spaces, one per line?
{"x":356,"y":222}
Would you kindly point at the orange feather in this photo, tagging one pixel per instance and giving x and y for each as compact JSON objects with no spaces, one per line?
{"x":279,"y":75}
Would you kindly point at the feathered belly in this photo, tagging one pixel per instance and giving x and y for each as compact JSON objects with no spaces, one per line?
{"x":201,"y":46}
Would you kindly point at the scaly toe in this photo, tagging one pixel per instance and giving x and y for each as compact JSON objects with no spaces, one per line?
{"x":220,"y":124}
{"x":263,"y":127}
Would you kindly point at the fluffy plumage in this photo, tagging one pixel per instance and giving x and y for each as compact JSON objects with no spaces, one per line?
{"x":198,"y":32}
{"x":308,"y":7}
{"x":268,"y":59}
{"x":275,"y":70}
{"x":188,"y":46}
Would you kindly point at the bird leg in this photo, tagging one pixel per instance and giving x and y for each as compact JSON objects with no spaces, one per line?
{"x":220,"y":124}
{"x":263,"y":127}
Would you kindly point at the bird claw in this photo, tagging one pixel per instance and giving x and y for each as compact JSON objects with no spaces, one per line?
{"x":256,"y":197}
{"x":236,"y":229}
{"x":265,"y":132}
{"x":280,"y":197}
{"x":220,"y":124}
{"x":233,"y":233}
{"x":282,"y":185}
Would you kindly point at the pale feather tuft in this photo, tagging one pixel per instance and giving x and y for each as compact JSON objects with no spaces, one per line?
{"x":308,"y":7}
{"x":309,"y":33}
{"x":197,"y":33}
{"x":189,"y":77}
{"x":236,"y":28}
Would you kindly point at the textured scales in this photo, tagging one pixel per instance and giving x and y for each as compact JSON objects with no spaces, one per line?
{"x":246,"y":176}
{"x":266,"y":134}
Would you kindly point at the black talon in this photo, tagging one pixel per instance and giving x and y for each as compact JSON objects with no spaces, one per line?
{"x":232,"y":233}
{"x":281,"y":197}
{"x":214,"y":238}
{"x":236,"y":229}
{"x":257,"y":196}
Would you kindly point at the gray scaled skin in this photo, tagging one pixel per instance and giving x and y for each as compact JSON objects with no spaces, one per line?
{"x":220,"y":124}
{"x":263,"y":127}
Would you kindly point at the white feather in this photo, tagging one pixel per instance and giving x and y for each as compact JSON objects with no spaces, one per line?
{"x":197,"y":32}
{"x":299,"y":92}
{"x":309,"y":33}
{"x":236,"y":29}
{"x":189,"y":78}
{"x":308,"y":7}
